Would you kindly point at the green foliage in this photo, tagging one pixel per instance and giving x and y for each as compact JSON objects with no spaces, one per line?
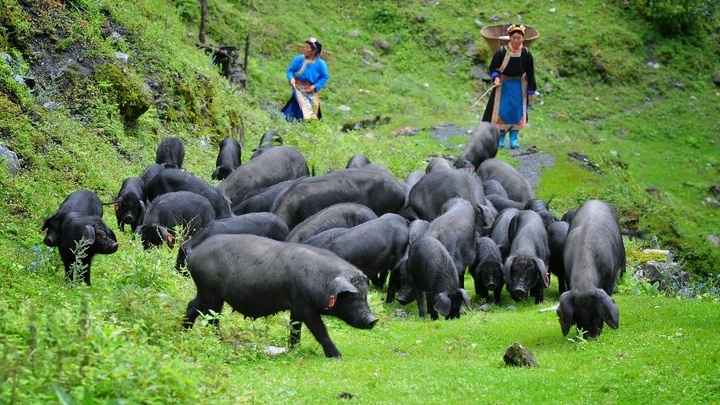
{"x":649,"y":133}
{"x":678,"y":17}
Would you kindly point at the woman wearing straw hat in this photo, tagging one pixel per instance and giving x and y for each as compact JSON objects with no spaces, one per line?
{"x":307,"y":75}
{"x":513,"y":73}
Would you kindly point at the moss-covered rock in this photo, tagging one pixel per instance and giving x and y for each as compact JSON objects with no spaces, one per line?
{"x":133,"y":98}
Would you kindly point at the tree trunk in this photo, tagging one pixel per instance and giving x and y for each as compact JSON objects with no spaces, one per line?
{"x":203,"y":15}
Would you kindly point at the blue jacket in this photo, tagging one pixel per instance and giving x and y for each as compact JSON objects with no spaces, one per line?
{"x":315,"y":73}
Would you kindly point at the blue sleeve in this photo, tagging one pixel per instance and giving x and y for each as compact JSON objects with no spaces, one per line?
{"x":323,"y":77}
{"x":294,"y":67}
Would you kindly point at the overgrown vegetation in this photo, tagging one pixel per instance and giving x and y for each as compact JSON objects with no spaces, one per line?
{"x":638,"y":103}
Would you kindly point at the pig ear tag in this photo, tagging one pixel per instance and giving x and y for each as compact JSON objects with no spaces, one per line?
{"x":332,"y":301}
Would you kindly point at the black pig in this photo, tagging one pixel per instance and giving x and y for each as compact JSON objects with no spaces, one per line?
{"x":79,"y":218}
{"x":594,"y":257}
{"x":433,"y":275}
{"x":228,"y":158}
{"x":487,"y":270}
{"x":259,"y":276}
{"x":130,"y":203}
{"x":170,"y":152}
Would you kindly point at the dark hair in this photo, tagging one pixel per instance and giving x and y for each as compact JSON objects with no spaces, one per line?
{"x":315,"y":45}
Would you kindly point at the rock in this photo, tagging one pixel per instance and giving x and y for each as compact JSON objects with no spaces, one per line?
{"x":485,"y":307}
{"x":354,"y":33}
{"x":715,"y":189}
{"x":517,"y":355}
{"x":10,"y":159}
{"x":480,"y":73}
{"x":716,"y":78}
{"x":275,"y":350}
{"x":714,"y":239}
{"x":400,"y":313}
{"x":382,"y":44}
{"x":659,"y":254}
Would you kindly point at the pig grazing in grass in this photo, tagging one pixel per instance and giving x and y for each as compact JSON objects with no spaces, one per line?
{"x":259,"y":276}
{"x":594,"y":259}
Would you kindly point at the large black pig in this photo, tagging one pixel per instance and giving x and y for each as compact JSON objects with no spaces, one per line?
{"x":81,"y":202}
{"x":130,"y":203}
{"x":258,"y":277}
{"x":78,"y":220}
{"x":433,"y":275}
{"x":594,"y":258}
{"x":275,"y":165}
{"x":261,"y":200}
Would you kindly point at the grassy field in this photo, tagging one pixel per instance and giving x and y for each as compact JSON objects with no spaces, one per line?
{"x":613,"y":89}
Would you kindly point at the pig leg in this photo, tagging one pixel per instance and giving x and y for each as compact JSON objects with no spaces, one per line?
{"x":422,"y":310}
{"x":393,"y":284}
{"x":496,"y":295}
{"x":483,"y":293}
{"x":202,"y":304}
{"x":431,"y":301}
{"x":314,"y":323}
{"x":539,"y":293}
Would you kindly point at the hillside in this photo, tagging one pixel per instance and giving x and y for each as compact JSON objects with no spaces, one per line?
{"x":88,"y":88}
{"x":596,"y":96}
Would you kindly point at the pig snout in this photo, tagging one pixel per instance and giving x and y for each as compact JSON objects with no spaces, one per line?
{"x":369,"y":321}
{"x":50,"y":240}
{"x":111,"y":246}
{"x":520,"y":292}
{"x":128,"y":218}
{"x":491,"y":285}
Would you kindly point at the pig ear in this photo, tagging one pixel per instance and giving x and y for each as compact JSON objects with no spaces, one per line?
{"x":543,"y":273}
{"x":142,"y":210}
{"x":609,"y":312}
{"x":465,"y":298}
{"x":442,"y":305}
{"x":89,"y":234}
{"x":565,"y":312}
{"x":338,"y":286}
{"x":166,"y":236}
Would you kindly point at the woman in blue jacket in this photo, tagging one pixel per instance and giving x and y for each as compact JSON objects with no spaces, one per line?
{"x":307,"y":75}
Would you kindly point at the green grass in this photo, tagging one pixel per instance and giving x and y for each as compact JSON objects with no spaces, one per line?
{"x":121,"y":340}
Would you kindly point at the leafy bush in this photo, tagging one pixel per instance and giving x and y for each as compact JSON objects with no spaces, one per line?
{"x":677,"y":17}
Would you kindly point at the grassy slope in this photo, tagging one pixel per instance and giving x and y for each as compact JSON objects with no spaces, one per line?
{"x":120,"y":339}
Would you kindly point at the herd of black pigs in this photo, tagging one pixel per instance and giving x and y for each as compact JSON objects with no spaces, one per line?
{"x":270,"y":237}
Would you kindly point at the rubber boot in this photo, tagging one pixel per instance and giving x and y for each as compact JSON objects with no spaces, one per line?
{"x":513,"y":140}
{"x":501,"y":142}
